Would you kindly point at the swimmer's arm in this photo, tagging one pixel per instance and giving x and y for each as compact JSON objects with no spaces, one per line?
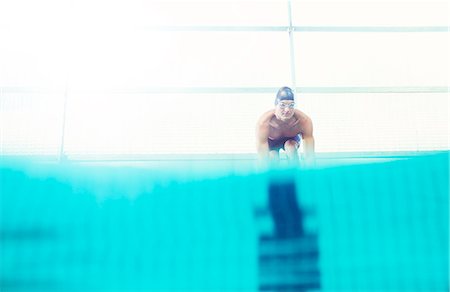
{"x":308,"y":148}
{"x":262,"y":144}
{"x":308,"y":142}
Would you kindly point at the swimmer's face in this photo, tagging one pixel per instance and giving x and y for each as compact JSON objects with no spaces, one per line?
{"x":284,"y":110}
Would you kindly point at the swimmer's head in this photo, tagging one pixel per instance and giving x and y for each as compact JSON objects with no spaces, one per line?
{"x":284,"y":93}
{"x":284,"y":104}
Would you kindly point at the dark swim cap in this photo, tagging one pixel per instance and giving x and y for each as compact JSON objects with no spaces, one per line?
{"x":285,"y":93}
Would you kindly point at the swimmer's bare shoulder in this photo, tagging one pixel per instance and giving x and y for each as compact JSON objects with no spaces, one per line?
{"x":262,"y":127}
{"x":305,"y":122}
{"x":265,"y":118}
{"x":302,"y":117}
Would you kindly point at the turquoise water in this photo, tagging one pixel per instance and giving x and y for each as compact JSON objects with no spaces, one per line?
{"x":379,"y":227}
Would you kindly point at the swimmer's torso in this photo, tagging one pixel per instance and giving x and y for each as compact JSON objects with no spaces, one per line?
{"x":279,"y":129}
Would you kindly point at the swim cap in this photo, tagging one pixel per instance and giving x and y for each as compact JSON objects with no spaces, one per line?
{"x":285,"y":93}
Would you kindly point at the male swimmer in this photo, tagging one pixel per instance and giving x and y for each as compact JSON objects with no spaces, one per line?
{"x":283,"y":128}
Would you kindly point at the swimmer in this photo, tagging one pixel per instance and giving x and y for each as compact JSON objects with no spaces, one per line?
{"x":283,"y":128}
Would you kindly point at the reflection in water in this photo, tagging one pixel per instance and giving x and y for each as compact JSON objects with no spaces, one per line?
{"x":283,"y":205}
{"x":288,"y":260}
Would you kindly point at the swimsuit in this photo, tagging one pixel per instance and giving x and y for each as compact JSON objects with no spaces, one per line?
{"x":277,"y":144}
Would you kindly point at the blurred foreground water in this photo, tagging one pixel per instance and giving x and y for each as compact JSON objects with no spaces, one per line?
{"x":362,"y":227}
